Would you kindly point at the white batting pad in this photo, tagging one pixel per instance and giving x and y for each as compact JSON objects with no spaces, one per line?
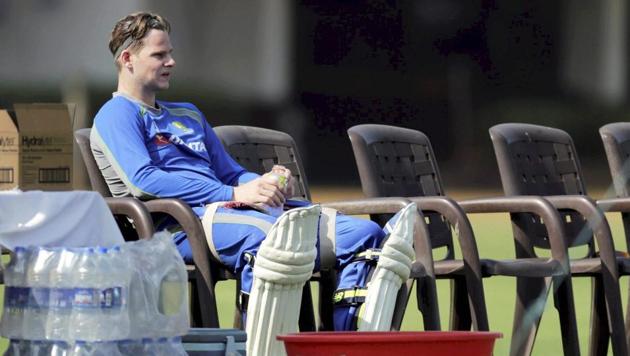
{"x":392,"y":269}
{"x":283,"y":264}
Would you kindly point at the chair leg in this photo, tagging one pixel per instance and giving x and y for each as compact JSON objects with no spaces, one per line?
{"x":599,"y":336}
{"x":615,"y":315}
{"x":427,"y":302}
{"x":207,"y":305}
{"x":238,"y":320}
{"x":476,"y":302}
{"x":460,"y":308}
{"x":531,"y":296}
{"x":628,"y":319}
{"x":307,"y":317}
{"x":327,"y":286}
{"x":195,"y":312}
{"x":565,"y":305}
{"x":402,"y":298}
{"x":625,"y":218}
{"x":239,"y":307}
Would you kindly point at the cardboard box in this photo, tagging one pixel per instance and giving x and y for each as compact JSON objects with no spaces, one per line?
{"x":9,"y":151}
{"x":44,"y":158}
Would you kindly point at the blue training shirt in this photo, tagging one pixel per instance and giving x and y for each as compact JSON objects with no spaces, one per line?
{"x":165,"y":152}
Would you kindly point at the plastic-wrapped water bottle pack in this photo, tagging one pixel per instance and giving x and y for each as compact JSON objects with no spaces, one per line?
{"x":153,"y":347}
{"x":130,"y":299}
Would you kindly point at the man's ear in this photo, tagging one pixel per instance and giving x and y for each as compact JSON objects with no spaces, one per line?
{"x":125,"y":59}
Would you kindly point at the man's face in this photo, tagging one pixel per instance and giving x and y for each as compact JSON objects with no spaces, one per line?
{"x":153,"y":63}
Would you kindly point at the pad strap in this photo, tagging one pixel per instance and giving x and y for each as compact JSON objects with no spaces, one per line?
{"x":371,"y":254}
{"x":212,"y":217}
{"x":350,"y":296}
{"x":327,"y":253}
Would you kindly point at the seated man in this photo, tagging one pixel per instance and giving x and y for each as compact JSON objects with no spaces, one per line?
{"x":149,"y":148}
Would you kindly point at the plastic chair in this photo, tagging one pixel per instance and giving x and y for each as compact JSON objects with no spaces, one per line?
{"x":616,"y":139}
{"x":538,"y":160}
{"x":395,"y":161}
{"x":133,"y":210}
{"x":258,"y":149}
{"x":205,"y":272}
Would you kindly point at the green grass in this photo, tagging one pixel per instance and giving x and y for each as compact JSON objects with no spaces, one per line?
{"x":494,"y":239}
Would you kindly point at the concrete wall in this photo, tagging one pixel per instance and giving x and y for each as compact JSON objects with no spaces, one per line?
{"x":236,"y":48}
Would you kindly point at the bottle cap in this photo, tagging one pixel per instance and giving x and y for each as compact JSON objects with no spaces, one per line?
{"x":280,"y":179}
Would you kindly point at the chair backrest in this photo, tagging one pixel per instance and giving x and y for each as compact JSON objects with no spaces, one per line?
{"x":539,"y":160}
{"x":616,"y":138}
{"x":399,"y":162}
{"x":258,"y":149}
{"x":82,"y":137}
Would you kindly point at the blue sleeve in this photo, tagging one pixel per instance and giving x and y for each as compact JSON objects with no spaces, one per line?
{"x":247,"y":177}
{"x":230,"y":172}
{"x":120,"y":129}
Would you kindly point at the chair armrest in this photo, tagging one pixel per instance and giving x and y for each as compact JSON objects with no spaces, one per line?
{"x":421,"y":241}
{"x":528,"y":204}
{"x":523,"y":267}
{"x":368,"y":206}
{"x":135,"y":210}
{"x":448,"y":208}
{"x":182,"y":213}
{"x":191,"y":224}
{"x":596,"y":220}
{"x":617,"y":205}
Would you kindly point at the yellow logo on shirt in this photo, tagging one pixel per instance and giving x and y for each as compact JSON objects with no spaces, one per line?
{"x":181,"y":126}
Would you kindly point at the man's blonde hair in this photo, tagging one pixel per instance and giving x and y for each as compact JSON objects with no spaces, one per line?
{"x":129,"y":32}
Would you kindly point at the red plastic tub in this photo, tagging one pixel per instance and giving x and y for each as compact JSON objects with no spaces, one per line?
{"x":405,"y":343}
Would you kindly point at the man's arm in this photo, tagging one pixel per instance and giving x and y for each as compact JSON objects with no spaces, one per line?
{"x":227,"y":170}
{"x":249,"y":187}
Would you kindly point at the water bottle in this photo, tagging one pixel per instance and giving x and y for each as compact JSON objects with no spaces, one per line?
{"x":162,"y":346}
{"x":37,"y":280}
{"x":176,"y":348}
{"x":105,"y":348}
{"x":61,"y":296}
{"x":158,"y":347}
{"x":80,"y":348}
{"x":85,"y":315}
{"x":60,"y":348}
{"x":165,"y":347}
{"x":281,"y":182}
{"x":15,"y":294}
{"x":17,"y":348}
{"x":39,"y":348}
{"x":14,"y":347}
{"x":115,"y":285}
{"x":131,"y":347}
{"x":171,"y":295}
{"x":140,"y":309}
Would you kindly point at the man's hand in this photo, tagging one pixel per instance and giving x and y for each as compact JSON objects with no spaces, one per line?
{"x":259,"y":190}
{"x":289,"y":186}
